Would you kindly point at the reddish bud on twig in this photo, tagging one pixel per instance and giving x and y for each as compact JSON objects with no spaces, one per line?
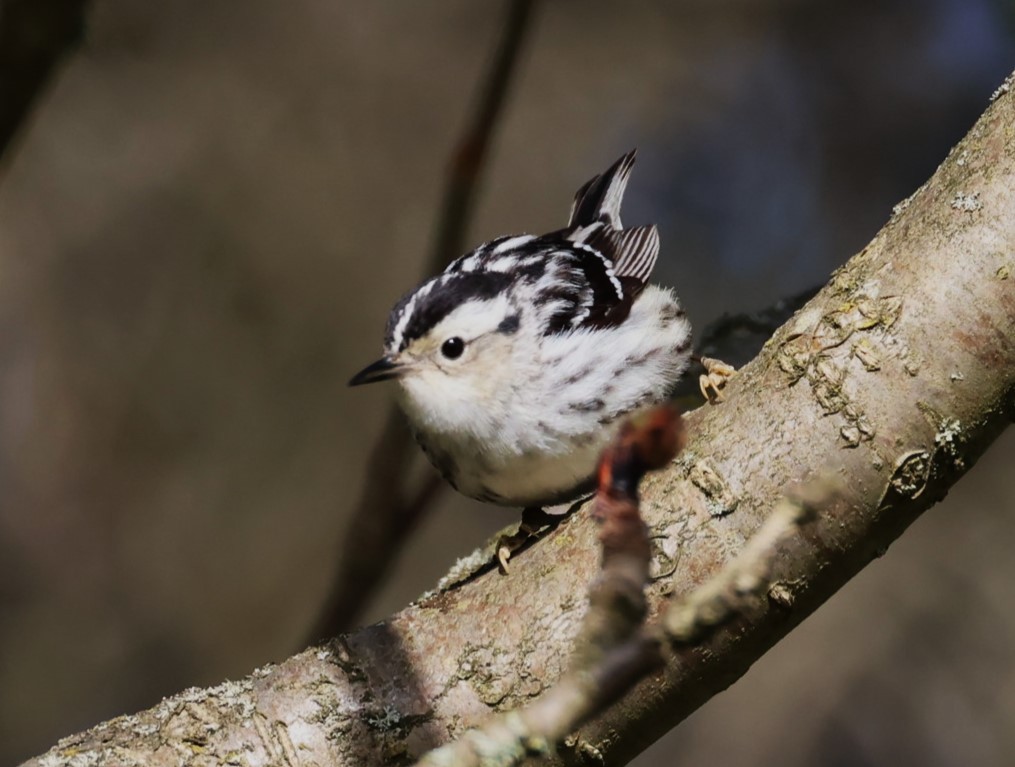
{"x":646,"y":442}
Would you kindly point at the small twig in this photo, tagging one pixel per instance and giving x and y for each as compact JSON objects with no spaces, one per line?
{"x":388,"y":511}
{"x":469,"y":157}
{"x":613,"y":652}
{"x":692,"y":619}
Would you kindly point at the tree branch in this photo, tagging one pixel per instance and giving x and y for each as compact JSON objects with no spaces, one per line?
{"x":895,"y":378}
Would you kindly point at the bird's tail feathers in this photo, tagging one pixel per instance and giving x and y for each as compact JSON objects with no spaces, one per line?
{"x":633,"y":251}
{"x":600,"y":197}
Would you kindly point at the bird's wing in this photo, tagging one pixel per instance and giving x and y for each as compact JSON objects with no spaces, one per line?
{"x":632,"y":251}
{"x":581,"y":289}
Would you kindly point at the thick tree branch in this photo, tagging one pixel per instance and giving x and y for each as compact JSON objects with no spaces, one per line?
{"x":895,"y":378}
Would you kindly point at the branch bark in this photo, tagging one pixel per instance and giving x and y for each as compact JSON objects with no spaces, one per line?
{"x":895,"y":377}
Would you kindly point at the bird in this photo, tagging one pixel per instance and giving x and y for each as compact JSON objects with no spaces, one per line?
{"x":517,"y":364}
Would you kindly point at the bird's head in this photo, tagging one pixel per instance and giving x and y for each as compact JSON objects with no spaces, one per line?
{"x":452,"y":345}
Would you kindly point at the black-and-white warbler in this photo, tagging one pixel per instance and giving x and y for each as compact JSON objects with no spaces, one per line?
{"x":520,"y":360}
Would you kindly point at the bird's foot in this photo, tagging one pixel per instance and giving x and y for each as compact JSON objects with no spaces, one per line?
{"x":717,"y":374}
{"x":534,"y":519}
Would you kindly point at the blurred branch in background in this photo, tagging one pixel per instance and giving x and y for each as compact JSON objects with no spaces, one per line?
{"x":34,"y":36}
{"x":388,"y":509}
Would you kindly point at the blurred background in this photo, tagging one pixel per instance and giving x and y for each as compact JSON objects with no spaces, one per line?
{"x":214,"y":206}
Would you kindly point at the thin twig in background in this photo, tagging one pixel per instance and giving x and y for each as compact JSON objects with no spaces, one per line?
{"x":34,"y":36}
{"x":469,"y":158}
{"x":613,"y":652}
{"x":389,"y":511}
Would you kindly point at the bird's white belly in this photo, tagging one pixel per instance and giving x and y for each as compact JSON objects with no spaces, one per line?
{"x":530,"y":479}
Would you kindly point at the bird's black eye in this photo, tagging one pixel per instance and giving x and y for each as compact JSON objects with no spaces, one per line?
{"x":453,"y":348}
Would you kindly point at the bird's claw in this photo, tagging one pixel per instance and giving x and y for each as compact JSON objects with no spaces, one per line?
{"x":717,"y":374}
{"x":503,"y":555}
{"x":507,"y":545}
{"x":534,"y":519}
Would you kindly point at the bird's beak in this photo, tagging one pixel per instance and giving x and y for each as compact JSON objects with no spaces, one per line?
{"x":381,"y":370}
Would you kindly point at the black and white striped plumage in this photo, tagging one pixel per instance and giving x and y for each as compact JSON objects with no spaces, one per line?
{"x":519,"y":360}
